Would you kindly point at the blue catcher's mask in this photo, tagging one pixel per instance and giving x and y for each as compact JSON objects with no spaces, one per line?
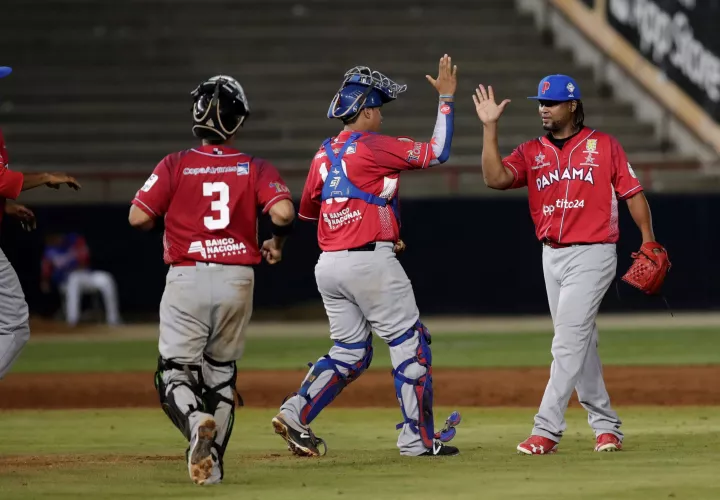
{"x":363,"y":88}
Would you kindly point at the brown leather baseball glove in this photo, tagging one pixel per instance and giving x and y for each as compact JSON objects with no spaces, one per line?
{"x":649,"y":268}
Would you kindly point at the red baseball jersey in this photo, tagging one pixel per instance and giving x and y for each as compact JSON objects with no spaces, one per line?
{"x":10,"y":182}
{"x":209,"y":197}
{"x":373,"y":164}
{"x":574,"y":191}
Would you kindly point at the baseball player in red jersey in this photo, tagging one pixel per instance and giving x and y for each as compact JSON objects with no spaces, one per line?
{"x":14,"y":327}
{"x":352,"y":191}
{"x":575,"y":177}
{"x":208,"y":197}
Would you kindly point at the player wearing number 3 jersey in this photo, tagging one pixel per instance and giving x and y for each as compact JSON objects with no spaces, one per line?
{"x":209,"y":197}
{"x":575,"y":177}
{"x":352,"y":191}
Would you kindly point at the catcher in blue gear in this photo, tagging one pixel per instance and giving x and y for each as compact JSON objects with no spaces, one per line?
{"x":364,"y":288}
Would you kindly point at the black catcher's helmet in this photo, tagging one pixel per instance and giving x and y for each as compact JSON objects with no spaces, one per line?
{"x":219,"y":108}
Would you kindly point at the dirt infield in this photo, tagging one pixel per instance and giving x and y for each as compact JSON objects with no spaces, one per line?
{"x":71,"y":461}
{"x":682,"y":385}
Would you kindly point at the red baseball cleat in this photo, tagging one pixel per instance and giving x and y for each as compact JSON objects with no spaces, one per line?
{"x":537,"y":445}
{"x":608,"y":442}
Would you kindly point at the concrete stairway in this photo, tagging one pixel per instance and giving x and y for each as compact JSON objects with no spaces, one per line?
{"x":105,"y":85}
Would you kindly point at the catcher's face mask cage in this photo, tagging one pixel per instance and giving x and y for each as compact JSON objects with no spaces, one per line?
{"x":363,"y":88}
{"x":219,"y":108}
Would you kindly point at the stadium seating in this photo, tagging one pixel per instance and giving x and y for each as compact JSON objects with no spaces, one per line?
{"x":105,"y":85}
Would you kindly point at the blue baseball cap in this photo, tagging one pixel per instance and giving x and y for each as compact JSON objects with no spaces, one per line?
{"x":557,"y":88}
{"x":5,"y":71}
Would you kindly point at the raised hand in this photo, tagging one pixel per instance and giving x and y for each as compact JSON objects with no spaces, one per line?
{"x":487,"y":110}
{"x":446,"y":82}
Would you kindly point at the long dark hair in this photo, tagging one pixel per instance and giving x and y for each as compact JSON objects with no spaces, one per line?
{"x":579,"y":116}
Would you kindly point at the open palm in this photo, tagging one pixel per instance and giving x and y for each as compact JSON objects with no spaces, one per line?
{"x":487,"y":109}
{"x":446,"y":82}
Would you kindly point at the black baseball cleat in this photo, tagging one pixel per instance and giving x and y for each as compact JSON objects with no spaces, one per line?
{"x":302,"y":444}
{"x":440,"y":450}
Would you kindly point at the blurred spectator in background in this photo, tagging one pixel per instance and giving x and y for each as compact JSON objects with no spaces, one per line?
{"x":66,"y":265}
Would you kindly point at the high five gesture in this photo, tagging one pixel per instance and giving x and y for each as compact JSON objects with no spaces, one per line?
{"x":487,"y":110}
{"x":446,"y":82}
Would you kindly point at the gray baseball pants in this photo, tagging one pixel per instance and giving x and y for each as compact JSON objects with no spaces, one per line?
{"x":576,"y":279}
{"x":204,"y":312}
{"x":14,"y":326}
{"x":366,"y":291}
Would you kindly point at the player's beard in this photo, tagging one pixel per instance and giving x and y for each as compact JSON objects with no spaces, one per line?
{"x":551,"y":126}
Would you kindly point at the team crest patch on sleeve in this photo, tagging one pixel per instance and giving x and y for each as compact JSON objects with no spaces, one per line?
{"x":150,"y":182}
{"x":632,"y":172}
{"x":279,"y":187}
{"x":243,"y":168}
{"x":414,"y":153}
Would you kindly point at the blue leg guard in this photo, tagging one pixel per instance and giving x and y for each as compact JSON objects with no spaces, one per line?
{"x":326,"y":394}
{"x":422,"y":386}
{"x":447,"y":433}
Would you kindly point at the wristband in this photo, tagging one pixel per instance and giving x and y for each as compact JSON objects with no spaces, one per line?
{"x":447,"y":96}
{"x":281,"y":231}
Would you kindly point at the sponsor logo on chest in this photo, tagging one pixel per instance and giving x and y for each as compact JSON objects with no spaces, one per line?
{"x":540,"y":162}
{"x":564,"y":204}
{"x":343,"y":217}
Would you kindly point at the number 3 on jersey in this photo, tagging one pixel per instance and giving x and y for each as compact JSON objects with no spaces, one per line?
{"x":220,"y":205}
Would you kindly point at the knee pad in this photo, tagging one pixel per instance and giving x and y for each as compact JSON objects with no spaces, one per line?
{"x":337,"y":382}
{"x":180,"y":390}
{"x":219,"y":393}
{"x":422,"y":384}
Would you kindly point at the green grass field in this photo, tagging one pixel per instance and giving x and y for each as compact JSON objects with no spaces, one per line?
{"x":617,"y":347}
{"x":671,"y":452}
{"x":137,"y":454}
